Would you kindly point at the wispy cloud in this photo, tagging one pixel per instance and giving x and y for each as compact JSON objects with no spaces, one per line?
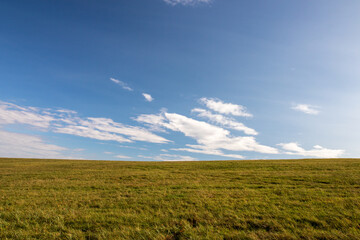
{"x":148,"y":97}
{"x":24,"y":145}
{"x":122,"y":157}
{"x":122,"y":84}
{"x":225,"y":108}
{"x":204,"y":150}
{"x":169,"y":158}
{"x":224,"y":121}
{"x":68,"y":122}
{"x":78,"y":150}
{"x":13,"y":114}
{"x":186,"y":2}
{"x":107,"y":129}
{"x":317,"y":151}
{"x":306,"y":108}
{"x":209,"y":137}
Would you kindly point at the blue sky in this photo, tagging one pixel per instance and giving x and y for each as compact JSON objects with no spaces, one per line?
{"x":179,"y":79}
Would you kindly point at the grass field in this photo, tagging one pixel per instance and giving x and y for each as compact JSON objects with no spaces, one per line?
{"x":298,"y":199}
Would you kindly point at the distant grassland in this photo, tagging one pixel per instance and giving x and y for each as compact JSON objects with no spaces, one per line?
{"x":298,"y":199}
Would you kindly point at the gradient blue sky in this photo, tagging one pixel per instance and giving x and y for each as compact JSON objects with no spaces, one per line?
{"x":228,"y":79}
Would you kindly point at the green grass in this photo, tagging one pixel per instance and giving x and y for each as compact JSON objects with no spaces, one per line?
{"x":298,"y":199}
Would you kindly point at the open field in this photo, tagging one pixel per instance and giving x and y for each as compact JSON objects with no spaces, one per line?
{"x":298,"y":199}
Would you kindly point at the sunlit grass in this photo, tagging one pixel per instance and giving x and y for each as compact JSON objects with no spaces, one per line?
{"x":298,"y":199}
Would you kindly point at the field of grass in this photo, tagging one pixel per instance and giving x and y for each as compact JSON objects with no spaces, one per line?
{"x":298,"y":199}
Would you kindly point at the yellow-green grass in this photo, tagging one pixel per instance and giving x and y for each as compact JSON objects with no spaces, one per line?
{"x":284,"y":199}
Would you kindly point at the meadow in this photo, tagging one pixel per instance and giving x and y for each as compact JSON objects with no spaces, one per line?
{"x":272,"y":199}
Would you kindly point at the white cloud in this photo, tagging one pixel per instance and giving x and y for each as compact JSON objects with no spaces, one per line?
{"x":169,"y":158}
{"x":122,"y":157}
{"x":87,"y":132}
{"x":122,"y":84}
{"x":317,"y":151}
{"x":26,"y":146}
{"x":236,"y":156}
{"x":148,"y":97}
{"x":68,"y":122}
{"x":305,"y":108}
{"x":225,"y":108}
{"x":224,"y":121}
{"x":213,"y":137}
{"x":203,"y":150}
{"x":186,"y":2}
{"x":132,"y":147}
{"x":209,"y":137}
{"x":107,"y":129}
{"x":152,"y":119}
{"x":78,"y":150}
{"x":13,"y":114}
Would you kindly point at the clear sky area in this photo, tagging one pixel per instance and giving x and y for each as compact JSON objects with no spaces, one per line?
{"x":166,"y":80}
